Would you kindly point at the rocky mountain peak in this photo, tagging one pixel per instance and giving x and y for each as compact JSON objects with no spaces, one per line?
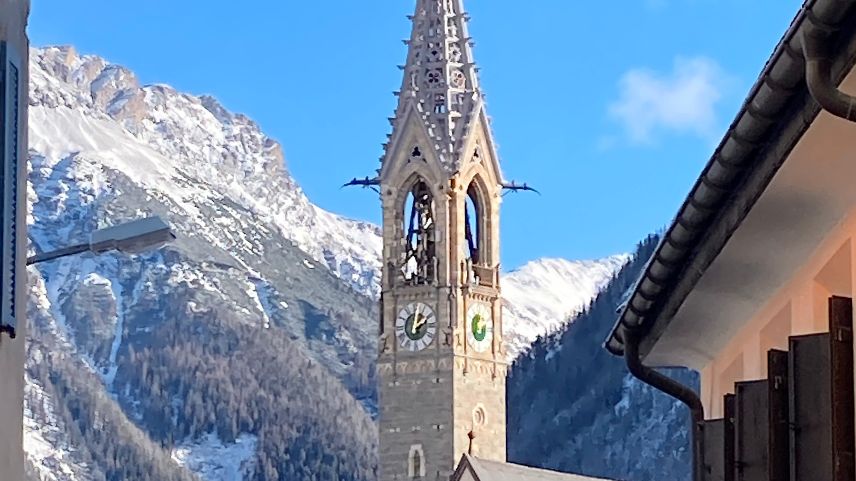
{"x":194,"y":151}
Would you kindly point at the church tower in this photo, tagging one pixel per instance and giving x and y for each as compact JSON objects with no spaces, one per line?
{"x":441,"y":363}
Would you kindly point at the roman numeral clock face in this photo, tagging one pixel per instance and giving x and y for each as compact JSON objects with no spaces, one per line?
{"x":479,"y":327}
{"x":416,"y":326}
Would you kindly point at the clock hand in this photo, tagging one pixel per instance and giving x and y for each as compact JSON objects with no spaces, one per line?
{"x":418,"y":321}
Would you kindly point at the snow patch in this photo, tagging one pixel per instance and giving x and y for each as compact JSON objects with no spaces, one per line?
{"x":259,"y":292}
{"x":212,"y":460}
{"x":108,"y":374}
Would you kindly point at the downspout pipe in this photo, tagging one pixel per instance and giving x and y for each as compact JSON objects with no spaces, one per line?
{"x":818,"y":73}
{"x":674,"y":389}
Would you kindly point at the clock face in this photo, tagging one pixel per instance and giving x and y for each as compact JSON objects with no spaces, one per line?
{"x":480,"y":327}
{"x":416,"y":326}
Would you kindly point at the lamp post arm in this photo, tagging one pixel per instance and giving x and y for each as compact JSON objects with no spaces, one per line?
{"x":66,"y":251}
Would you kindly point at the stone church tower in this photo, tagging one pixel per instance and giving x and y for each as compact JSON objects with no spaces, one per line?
{"x":441,"y":359}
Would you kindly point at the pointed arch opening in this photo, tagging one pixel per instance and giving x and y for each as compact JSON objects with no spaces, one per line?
{"x":475,"y":228}
{"x":419,"y":257}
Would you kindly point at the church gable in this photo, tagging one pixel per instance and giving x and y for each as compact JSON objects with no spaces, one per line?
{"x":409,"y":149}
{"x":474,"y":469}
{"x":479,"y":152}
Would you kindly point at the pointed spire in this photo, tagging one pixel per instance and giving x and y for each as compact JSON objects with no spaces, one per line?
{"x":440,"y":79}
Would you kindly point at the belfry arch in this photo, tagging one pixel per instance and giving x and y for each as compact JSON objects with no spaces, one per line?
{"x":476,"y":231}
{"x":418,"y":215}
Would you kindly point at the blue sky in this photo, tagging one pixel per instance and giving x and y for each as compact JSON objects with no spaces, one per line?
{"x":609,"y":108}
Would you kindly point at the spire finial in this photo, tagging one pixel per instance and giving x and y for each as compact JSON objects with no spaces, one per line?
{"x":472,"y":437}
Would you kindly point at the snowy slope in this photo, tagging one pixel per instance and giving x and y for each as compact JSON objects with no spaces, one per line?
{"x":45,"y":441}
{"x":543,"y":295}
{"x":188,"y":148}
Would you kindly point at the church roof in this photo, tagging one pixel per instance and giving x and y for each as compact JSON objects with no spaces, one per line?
{"x":485,"y":470}
{"x":440,"y":85}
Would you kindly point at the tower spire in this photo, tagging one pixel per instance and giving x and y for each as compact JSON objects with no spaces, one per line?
{"x":441,"y":361}
{"x":440,"y":84}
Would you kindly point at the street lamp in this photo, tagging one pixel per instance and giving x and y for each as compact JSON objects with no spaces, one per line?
{"x":131,"y":238}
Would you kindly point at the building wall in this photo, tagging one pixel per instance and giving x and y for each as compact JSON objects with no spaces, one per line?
{"x":799,"y":307}
{"x":13,"y":18}
{"x":479,"y":403}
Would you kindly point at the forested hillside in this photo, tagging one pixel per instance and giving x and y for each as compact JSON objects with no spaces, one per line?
{"x":574,"y":407}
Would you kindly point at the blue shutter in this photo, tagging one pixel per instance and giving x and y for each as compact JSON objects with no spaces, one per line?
{"x":11,"y":86}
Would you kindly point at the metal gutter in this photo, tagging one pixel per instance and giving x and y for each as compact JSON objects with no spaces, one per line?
{"x":777,"y":112}
{"x":676,"y":390}
{"x":819,"y":58}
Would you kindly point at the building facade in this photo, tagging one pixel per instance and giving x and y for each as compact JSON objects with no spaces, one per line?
{"x":753,"y":283}
{"x":441,"y":359}
{"x":13,"y":148}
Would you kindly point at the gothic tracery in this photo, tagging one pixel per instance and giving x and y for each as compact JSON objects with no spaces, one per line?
{"x":441,"y":77}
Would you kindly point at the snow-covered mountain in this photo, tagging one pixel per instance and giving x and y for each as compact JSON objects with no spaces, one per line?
{"x":540,"y":297}
{"x":188,"y":149}
{"x":185,"y":360}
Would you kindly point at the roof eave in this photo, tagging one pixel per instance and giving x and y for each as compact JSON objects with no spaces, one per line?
{"x":774,"y":116}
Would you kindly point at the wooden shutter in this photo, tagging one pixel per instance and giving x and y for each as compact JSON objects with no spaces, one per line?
{"x":752,"y":430}
{"x":810,"y":399}
{"x":729,"y":435}
{"x":714,"y":450}
{"x":10,"y":91}
{"x":777,"y":383}
{"x":841,"y":357}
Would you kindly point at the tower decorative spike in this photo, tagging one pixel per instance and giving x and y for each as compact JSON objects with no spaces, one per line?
{"x":440,"y":77}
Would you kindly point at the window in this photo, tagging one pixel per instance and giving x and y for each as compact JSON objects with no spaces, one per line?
{"x":439,"y":103}
{"x":416,"y":466}
{"x":9,"y":110}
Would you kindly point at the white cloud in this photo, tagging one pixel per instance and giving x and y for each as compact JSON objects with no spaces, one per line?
{"x":682,"y":101}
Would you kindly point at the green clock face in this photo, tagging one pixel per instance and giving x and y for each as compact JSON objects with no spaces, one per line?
{"x":480,"y":327}
{"x":416,"y":326}
{"x":478,"y":324}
